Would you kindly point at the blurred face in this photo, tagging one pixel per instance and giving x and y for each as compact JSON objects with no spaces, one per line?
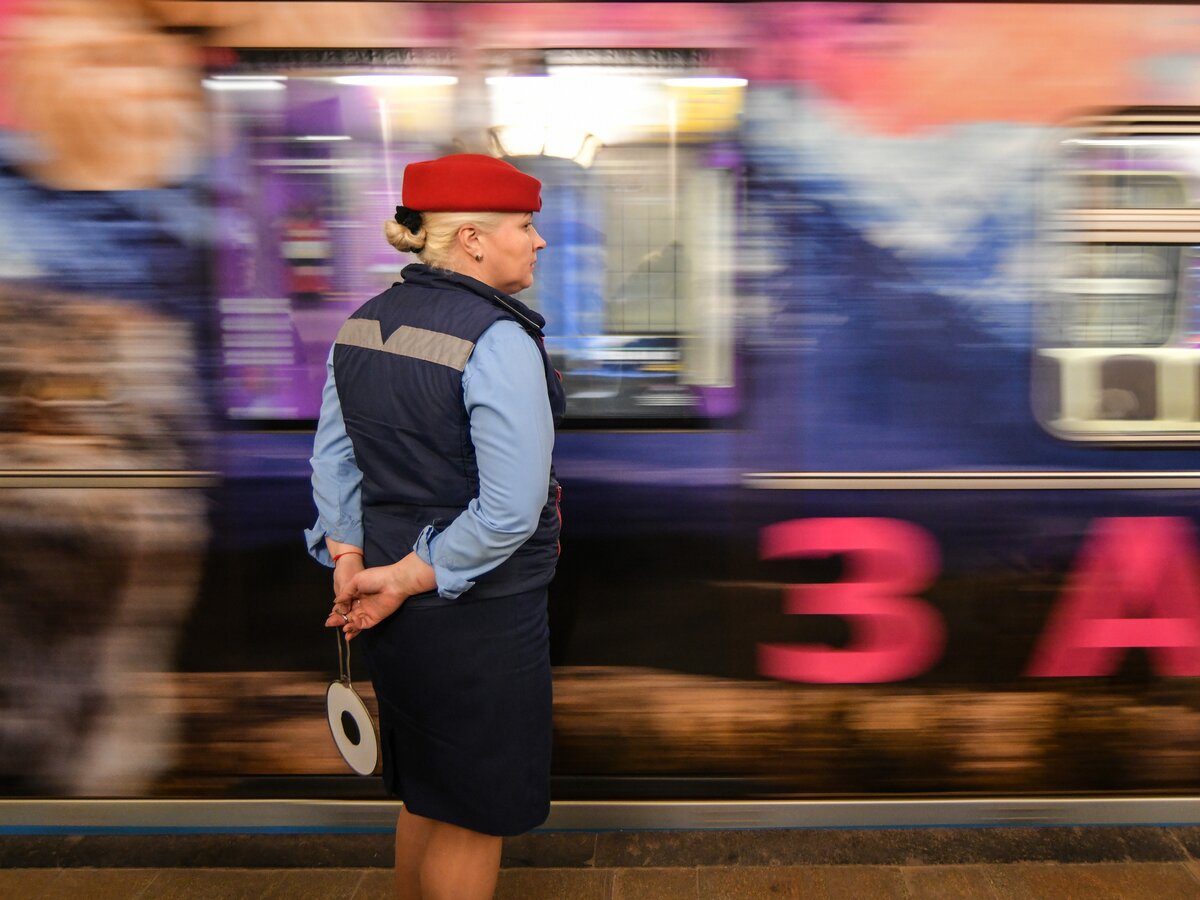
{"x":112,"y":103}
{"x":510,"y":253}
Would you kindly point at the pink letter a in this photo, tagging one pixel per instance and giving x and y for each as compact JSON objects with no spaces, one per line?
{"x":1135,"y":586}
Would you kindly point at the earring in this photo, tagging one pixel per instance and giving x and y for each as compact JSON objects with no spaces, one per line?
{"x":478,"y":257}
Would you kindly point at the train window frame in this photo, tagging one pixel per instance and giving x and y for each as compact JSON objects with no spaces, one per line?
{"x":1116,"y":333}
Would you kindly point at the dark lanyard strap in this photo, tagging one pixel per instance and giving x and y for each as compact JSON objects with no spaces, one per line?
{"x":343,"y":658}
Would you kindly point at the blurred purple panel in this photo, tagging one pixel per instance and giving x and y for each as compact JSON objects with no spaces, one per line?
{"x":314,"y":117}
{"x":717,"y":402}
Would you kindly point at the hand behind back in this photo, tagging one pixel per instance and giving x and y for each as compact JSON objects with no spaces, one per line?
{"x":371,"y":595}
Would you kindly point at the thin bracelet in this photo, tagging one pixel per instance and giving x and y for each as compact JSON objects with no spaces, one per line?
{"x":347,"y":553}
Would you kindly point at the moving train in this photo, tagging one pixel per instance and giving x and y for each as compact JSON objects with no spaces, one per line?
{"x":879,"y":324}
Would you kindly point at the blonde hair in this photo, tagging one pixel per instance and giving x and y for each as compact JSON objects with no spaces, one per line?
{"x":434,"y":241}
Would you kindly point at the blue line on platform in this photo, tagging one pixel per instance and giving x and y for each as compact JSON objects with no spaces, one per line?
{"x":29,"y":830}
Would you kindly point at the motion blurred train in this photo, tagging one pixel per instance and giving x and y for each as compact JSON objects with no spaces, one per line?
{"x":880,"y":329}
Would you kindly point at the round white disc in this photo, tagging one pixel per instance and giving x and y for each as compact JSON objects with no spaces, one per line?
{"x":352,"y":729}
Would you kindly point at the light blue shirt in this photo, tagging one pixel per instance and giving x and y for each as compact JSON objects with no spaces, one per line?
{"x":504,"y":389}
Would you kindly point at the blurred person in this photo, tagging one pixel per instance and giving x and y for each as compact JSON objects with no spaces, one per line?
{"x":96,"y":385}
{"x":432,"y":468}
{"x":102,"y":270}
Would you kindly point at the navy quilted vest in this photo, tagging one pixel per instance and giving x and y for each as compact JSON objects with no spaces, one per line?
{"x":398,"y":364}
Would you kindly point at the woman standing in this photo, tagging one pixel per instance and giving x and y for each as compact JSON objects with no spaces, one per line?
{"x":437,"y":422}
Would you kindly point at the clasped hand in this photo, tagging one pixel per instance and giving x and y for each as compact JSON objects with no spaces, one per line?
{"x":372,"y":595}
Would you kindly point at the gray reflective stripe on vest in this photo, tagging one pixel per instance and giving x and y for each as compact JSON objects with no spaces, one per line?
{"x":418,"y":343}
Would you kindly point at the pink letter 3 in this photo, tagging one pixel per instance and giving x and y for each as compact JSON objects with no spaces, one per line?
{"x":893,"y":634}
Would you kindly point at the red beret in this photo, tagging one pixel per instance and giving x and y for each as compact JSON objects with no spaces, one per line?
{"x":470,"y":182}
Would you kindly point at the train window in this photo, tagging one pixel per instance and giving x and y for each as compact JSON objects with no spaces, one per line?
{"x":309,"y":149}
{"x":638,"y":304}
{"x":1116,"y":295}
{"x":1118,"y":349}
{"x":639,"y":164}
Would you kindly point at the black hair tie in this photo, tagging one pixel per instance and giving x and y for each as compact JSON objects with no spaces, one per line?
{"x":409,"y":218}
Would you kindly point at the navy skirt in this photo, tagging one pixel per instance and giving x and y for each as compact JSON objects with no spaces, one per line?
{"x":465,"y":709}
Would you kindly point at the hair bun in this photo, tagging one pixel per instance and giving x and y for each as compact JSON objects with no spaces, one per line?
{"x":409,"y":218}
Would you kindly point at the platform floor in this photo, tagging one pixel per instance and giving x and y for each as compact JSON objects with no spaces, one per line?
{"x":1015,"y":863}
{"x":1014,"y":881}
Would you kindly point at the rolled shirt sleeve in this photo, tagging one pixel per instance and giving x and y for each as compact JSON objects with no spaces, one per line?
{"x":504,"y":388}
{"x":336,"y":478}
